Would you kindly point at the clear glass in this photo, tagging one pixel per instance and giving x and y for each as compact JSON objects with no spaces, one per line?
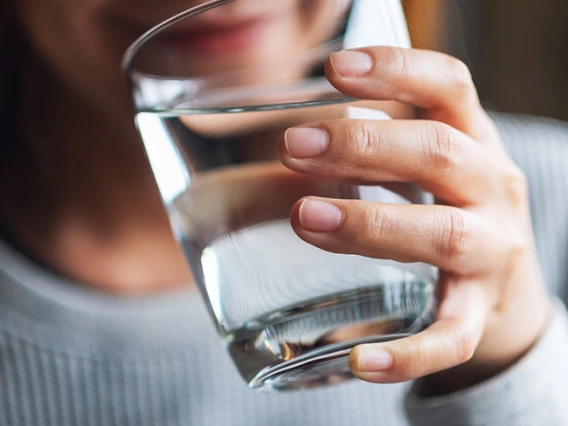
{"x":214,"y":88}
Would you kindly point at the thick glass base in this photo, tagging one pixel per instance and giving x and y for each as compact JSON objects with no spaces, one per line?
{"x":307,"y":346}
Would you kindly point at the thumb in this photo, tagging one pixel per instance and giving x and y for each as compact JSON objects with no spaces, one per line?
{"x":450,"y":341}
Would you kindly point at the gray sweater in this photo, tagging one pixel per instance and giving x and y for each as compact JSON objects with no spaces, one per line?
{"x":71,"y":356}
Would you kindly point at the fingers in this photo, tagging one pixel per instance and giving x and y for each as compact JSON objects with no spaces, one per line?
{"x":449,"y":342}
{"x":437,"y":83}
{"x":442,"y":160}
{"x":450,"y":238}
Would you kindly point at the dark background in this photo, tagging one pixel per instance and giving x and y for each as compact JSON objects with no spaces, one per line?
{"x":517,"y":49}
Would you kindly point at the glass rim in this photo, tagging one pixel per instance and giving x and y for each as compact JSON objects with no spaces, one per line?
{"x":140,"y":42}
{"x":168,"y":91}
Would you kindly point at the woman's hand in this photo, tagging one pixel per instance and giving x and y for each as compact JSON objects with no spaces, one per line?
{"x":493,"y":304}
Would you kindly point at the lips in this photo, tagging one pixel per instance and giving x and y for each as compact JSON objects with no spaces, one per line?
{"x":219,"y":38}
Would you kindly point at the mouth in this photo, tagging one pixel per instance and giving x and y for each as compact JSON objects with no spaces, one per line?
{"x":218,"y":38}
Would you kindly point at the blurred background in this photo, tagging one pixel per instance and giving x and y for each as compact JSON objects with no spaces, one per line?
{"x":516,"y":49}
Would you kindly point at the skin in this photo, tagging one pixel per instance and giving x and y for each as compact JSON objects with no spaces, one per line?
{"x":90,"y":210}
{"x":493,"y":301}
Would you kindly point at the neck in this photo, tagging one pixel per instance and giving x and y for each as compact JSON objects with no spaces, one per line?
{"x":80,"y":197}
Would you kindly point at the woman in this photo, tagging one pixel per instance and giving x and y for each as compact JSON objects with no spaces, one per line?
{"x":105,"y":331}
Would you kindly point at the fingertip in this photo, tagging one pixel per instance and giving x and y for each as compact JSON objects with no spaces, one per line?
{"x":332,"y":74}
{"x":375,"y":364}
{"x":317,"y":215}
{"x":329,"y":69}
{"x":373,"y":359}
{"x":281,"y":146}
{"x":354,"y":360}
{"x":372,"y":363}
{"x":295,"y":214}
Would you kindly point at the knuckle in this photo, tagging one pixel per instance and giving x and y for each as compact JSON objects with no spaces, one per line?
{"x":460,"y":76}
{"x":464,"y":345}
{"x":515,"y":245}
{"x":515,"y":186}
{"x":363,"y":141}
{"x":515,"y":193}
{"x":518,"y":245}
{"x":442,"y":147}
{"x":456,"y":236}
{"x":400,"y":62}
{"x":511,"y":256}
{"x":376,"y":223}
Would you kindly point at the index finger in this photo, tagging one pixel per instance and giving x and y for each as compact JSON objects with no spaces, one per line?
{"x":437,"y":83}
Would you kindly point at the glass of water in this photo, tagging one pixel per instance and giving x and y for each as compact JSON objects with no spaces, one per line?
{"x":214,"y":88}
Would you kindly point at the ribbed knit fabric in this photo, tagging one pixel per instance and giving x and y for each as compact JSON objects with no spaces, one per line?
{"x":540,"y":147}
{"x":71,"y":356}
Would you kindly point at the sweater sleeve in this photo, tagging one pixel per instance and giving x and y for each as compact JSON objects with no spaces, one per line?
{"x":533,"y":392}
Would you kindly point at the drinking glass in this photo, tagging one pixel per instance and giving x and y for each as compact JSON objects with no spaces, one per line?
{"x":214,"y":87}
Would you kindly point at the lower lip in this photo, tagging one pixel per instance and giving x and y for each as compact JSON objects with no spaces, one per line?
{"x":226,"y":41}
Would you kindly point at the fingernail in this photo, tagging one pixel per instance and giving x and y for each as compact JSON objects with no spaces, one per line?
{"x":306,"y":142}
{"x":351,"y":63}
{"x":372,"y":360}
{"x":320,"y":216}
